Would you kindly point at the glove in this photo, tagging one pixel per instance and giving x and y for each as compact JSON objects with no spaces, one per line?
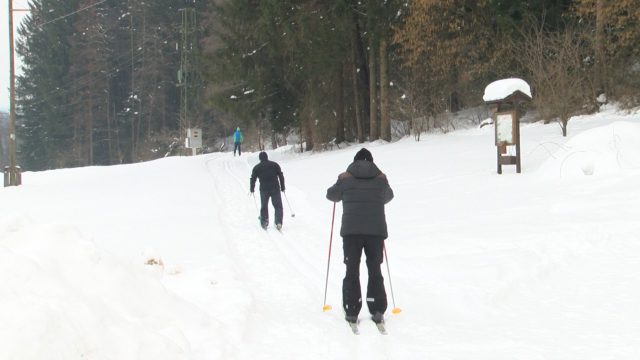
{"x":282,"y":189}
{"x":251,"y":191}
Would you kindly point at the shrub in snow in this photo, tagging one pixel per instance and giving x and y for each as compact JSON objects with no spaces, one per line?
{"x":154,"y":262}
{"x":152,"y":259}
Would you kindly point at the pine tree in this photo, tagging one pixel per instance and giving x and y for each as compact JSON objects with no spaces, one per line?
{"x":90,"y":91}
{"x":283,"y":61}
{"x":44,"y":120}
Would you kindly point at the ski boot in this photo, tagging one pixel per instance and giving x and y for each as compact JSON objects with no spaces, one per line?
{"x":377,"y":318}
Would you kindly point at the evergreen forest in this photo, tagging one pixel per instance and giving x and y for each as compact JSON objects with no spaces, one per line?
{"x":119,"y":81}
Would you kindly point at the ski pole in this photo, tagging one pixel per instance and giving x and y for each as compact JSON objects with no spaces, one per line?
{"x":326,"y":307}
{"x":255,"y":204}
{"x":396,"y":310}
{"x":291,"y":210}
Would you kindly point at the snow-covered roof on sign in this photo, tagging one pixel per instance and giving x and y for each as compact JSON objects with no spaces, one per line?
{"x":504,"y":88}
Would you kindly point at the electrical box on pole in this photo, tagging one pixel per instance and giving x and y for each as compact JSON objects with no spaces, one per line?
{"x":193,"y":140}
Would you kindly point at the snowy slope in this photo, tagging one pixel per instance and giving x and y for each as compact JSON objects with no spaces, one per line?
{"x":165,"y":259}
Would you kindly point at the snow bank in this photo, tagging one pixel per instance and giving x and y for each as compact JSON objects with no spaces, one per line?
{"x":604,"y":150}
{"x":485,"y":266}
{"x":69,"y":300}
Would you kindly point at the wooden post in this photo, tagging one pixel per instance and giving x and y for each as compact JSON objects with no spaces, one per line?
{"x":12,"y":176}
{"x":507,"y":132}
{"x":517,"y":114}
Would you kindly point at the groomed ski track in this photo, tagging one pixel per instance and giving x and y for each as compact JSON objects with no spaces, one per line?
{"x":484,"y":266}
{"x":284,"y":274}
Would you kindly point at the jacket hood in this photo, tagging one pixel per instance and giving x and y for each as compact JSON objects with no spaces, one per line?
{"x":363,"y":169}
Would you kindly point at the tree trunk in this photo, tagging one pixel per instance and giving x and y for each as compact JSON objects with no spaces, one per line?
{"x":373,"y":109}
{"x":385,"y":122}
{"x":308,"y":134}
{"x":89,"y":132}
{"x":107,"y":138}
{"x":274,"y":140}
{"x":354,"y":77}
{"x":77,"y":141}
{"x":339,"y":106}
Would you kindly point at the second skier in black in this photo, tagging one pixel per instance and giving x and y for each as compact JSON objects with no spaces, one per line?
{"x":271,"y":184}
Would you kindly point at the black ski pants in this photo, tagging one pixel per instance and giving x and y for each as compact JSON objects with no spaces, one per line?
{"x":276,"y":201}
{"x":351,"y":293}
{"x":236,"y":146}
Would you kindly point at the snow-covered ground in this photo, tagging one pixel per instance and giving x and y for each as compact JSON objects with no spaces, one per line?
{"x":165,"y":259}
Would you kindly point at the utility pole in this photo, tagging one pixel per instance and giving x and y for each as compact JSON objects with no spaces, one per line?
{"x":12,"y":173}
{"x":188,"y":72}
{"x":601,"y":88}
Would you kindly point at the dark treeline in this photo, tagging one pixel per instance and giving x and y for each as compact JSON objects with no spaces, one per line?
{"x":100,"y":82}
{"x":104,"y":84}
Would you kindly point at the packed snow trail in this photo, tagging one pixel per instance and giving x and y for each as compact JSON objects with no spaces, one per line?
{"x":460,"y":278}
{"x":283,"y":276}
{"x":538,"y":265}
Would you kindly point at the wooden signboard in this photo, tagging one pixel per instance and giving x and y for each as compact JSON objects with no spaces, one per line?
{"x":504,"y":99}
{"x":506,"y":128}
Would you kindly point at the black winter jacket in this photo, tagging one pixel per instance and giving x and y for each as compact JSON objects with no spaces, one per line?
{"x":268,"y":172}
{"x":364,"y":190}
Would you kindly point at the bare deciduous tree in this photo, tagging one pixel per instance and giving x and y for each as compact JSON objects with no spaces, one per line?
{"x":555,"y":62}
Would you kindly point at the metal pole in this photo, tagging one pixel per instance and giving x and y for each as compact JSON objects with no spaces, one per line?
{"x":290,"y":209}
{"x":326,"y":307}
{"x":396,"y":310}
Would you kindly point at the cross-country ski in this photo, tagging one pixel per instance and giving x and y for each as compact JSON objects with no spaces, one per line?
{"x":381,"y":328}
{"x":354,"y":327}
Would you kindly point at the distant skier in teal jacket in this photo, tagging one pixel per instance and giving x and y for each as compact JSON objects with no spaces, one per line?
{"x":237,"y":141}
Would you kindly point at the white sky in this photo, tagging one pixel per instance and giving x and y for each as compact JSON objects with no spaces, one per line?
{"x":538,"y":265}
{"x":4,"y":47}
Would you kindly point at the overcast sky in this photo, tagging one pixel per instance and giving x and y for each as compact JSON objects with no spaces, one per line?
{"x":4,"y":47}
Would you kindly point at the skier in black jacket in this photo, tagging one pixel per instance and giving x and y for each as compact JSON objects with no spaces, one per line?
{"x":269,"y":173}
{"x":364,"y":190}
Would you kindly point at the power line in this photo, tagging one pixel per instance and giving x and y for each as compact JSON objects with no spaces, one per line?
{"x":84,"y":82}
{"x":87,"y":80}
{"x":72,"y":13}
